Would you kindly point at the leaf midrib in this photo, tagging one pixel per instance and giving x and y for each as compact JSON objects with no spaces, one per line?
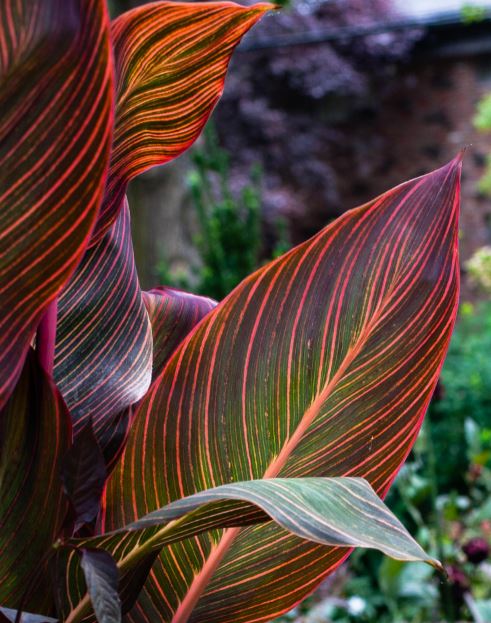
{"x":201,"y":579}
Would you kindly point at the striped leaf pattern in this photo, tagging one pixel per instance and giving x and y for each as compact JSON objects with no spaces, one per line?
{"x":320,"y":364}
{"x":103,"y":356}
{"x":56,"y":117}
{"x":173,"y":313}
{"x":344,"y":512}
{"x":35,"y":434}
{"x":171,"y":59}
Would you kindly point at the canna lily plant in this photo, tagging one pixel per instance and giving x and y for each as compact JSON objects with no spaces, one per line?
{"x":162,"y":457}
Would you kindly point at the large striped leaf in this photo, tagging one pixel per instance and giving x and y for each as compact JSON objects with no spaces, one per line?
{"x":103,"y":357}
{"x":171,"y":59}
{"x":335,"y":511}
{"x":322,"y":363}
{"x":173,"y":314}
{"x":55,"y":134}
{"x":35,"y":434}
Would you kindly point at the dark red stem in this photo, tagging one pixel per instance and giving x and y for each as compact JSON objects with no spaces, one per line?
{"x":46,"y":336}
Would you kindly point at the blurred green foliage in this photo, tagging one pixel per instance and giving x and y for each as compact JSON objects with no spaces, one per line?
{"x":230,"y":239}
{"x":471,"y":13}
{"x":482,"y":122}
{"x":465,"y":392}
{"x":479,"y":269}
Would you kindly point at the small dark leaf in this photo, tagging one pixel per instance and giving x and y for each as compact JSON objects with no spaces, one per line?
{"x":7,"y":615}
{"x":84,"y":475}
{"x":101,"y":576}
{"x":131,"y":583}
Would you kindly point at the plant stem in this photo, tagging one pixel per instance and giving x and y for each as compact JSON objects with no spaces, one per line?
{"x":201,"y":581}
{"x":84,"y":606}
{"x":447,"y":605}
{"x":46,"y":337}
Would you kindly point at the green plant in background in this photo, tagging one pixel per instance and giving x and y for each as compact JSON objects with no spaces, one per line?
{"x":465,"y":392}
{"x":230,"y":239}
{"x":471,"y":14}
{"x":479,"y":269}
{"x":482,"y":122}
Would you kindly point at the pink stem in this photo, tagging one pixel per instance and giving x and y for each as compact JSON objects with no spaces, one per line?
{"x":201,"y":581}
{"x":46,"y":336}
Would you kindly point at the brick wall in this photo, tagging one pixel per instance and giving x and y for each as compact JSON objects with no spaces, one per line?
{"x":420,"y":124}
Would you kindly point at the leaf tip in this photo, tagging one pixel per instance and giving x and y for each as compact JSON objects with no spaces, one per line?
{"x":460,"y":155}
{"x":437,"y":565}
{"x":260,"y":8}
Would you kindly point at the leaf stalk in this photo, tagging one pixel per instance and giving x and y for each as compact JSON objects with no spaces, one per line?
{"x":46,"y":337}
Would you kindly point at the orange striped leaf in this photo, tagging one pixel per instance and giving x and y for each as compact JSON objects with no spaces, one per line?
{"x":56,"y":100}
{"x":103,"y":356}
{"x":35,"y":434}
{"x":173,"y":313}
{"x":320,"y":364}
{"x":171,"y":60}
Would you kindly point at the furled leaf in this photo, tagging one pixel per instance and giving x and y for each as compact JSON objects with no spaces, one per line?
{"x":322,"y":363}
{"x":334,"y":511}
{"x":101,"y":577}
{"x":173,"y":314}
{"x":27,"y":617}
{"x":34,"y":437}
{"x":56,"y":100}
{"x":84,"y":475}
{"x":171,"y":59}
{"x":103,"y":357}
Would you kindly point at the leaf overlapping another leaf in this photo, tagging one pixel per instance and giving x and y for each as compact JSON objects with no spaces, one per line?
{"x":103,"y":357}
{"x":56,"y":98}
{"x":344,"y":512}
{"x":173,"y":313}
{"x":84,"y":475}
{"x":320,"y":364}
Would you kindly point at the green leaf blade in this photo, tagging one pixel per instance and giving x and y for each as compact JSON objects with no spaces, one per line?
{"x":344,"y":512}
{"x":341,"y":512}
